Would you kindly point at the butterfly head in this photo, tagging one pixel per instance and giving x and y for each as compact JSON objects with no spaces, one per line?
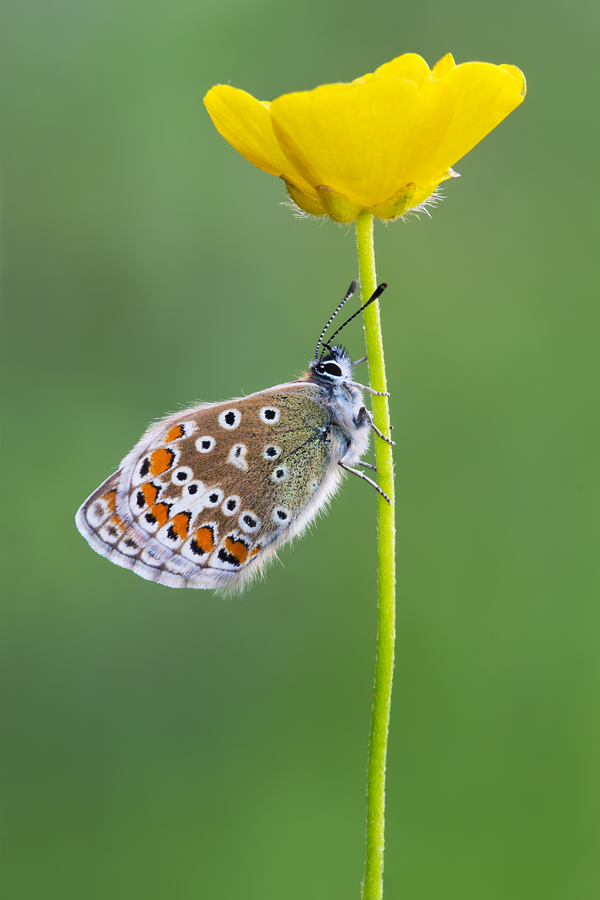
{"x":334,"y":368}
{"x":331,"y":364}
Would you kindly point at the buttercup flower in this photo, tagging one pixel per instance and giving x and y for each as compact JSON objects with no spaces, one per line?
{"x":381,"y":144}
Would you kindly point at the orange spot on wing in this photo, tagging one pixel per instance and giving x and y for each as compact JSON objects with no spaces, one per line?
{"x":256,"y":550}
{"x":205,"y":540}
{"x":237,"y":549}
{"x":150,"y":493}
{"x":111,"y":499}
{"x":115,"y":520}
{"x":174,"y":433}
{"x":180,"y":524}
{"x":160,"y":511}
{"x":160,"y":461}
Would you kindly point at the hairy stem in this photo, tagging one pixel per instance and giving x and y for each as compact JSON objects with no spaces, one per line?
{"x":386,"y":624}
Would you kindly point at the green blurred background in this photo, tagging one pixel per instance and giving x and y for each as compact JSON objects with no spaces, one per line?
{"x":170,"y":744}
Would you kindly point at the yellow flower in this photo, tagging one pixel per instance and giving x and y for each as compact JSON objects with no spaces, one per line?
{"x":382,"y":143}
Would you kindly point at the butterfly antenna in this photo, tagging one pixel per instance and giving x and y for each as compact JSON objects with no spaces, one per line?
{"x":349,"y":293}
{"x":376,"y":295}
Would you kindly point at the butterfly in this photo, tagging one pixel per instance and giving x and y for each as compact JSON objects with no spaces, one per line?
{"x":207,"y":495}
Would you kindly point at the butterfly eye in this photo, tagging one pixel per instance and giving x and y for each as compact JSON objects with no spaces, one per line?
{"x":330,"y":369}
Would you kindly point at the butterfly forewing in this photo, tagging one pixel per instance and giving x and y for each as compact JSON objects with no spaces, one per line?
{"x":207,"y":495}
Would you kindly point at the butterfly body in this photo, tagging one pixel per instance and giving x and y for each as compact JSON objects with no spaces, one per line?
{"x":208,"y":495}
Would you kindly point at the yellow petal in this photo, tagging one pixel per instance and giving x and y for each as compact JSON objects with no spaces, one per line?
{"x":483,"y":95}
{"x":246,"y":123}
{"x":410,"y":66}
{"x":350,"y":137}
{"x":518,"y":75}
{"x":368,"y":77}
{"x":423,"y":136}
{"x":443,"y":65}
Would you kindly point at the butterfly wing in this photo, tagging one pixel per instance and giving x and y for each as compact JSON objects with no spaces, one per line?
{"x":207,"y":495}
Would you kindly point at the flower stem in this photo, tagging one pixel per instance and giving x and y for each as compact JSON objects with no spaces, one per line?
{"x":386,"y":625}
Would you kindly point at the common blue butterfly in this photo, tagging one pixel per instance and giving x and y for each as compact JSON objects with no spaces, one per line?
{"x":207,"y":495}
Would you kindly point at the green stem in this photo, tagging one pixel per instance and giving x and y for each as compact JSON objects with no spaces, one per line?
{"x":386,"y":626}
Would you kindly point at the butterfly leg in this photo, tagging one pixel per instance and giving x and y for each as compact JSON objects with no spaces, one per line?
{"x":368,"y":466}
{"x":363,"y":387}
{"x":365,"y":417}
{"x":367,"y":479}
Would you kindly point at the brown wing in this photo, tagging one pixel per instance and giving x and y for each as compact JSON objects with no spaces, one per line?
{"x":207,"y":495}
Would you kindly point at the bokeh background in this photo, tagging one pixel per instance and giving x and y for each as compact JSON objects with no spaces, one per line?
{"x":160,"y":743}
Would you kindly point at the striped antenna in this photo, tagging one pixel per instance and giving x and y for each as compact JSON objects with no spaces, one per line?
{"x":351,"y":290}
{"x":376,"y":294}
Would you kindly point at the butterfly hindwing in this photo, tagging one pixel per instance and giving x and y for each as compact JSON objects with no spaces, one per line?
{"x":207,"y":495}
